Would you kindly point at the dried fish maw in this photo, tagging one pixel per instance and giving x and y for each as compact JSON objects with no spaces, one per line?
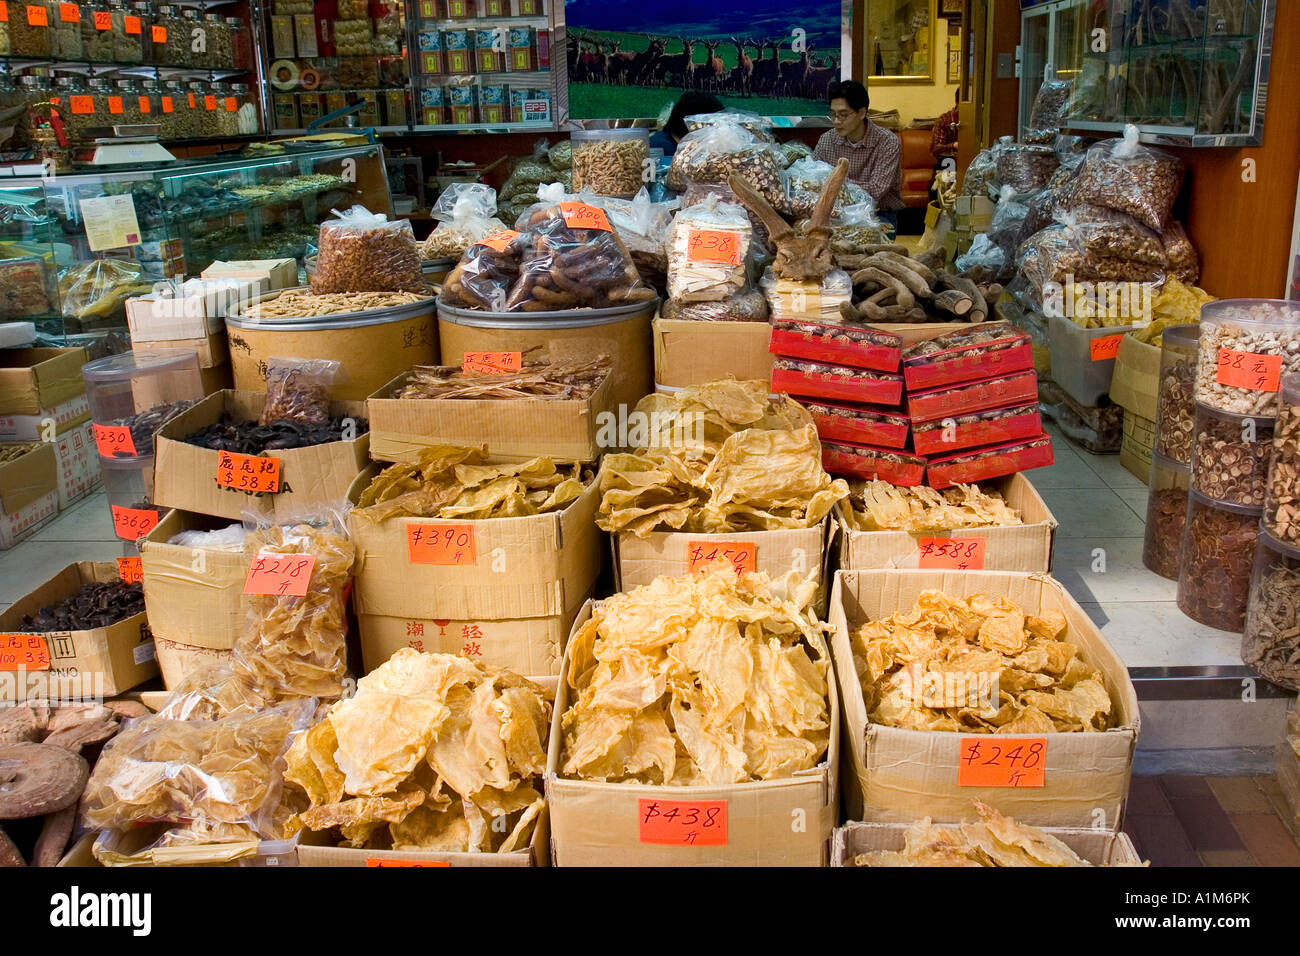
{"x":1084,"y":702}
{"x":433,"y":829}
{"x":1043,"y":848}
{"x":715,"y":748}
{"x":1048,"y":626}
{"x":1029,"y":720}
{"x":358,"y":818}
{"x":1004,"y":631}
{"x":636,"y":681}
{"x":310,"y":764}
{"x":767,"y":466}
{"x":522,"y":833}
{"x":715,"y":655}
{"x":524,"y":721}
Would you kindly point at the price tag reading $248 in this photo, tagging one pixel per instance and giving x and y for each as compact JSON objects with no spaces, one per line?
{"x":284,"y":575}
{"x":991,"y":761}
{"x":683,"y":822}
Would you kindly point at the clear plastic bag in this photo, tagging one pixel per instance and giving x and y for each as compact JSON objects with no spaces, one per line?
{"x":855,"y":227}
{"x":484,"y":276}
{"x":298,"y":389}
{"x":749,"y":305}
{"x":1123,"y":174}
{"x":1025,"y":168}
{"x":561,"y":155}
{"x":642,"y":225}
{"x":466,"y":213}
{"x":708,"y":247}
{"x":1007,"y":228}
{"x":361,"y":251}
{"x":1048,"y":111}
{"x":98,"y":290}
{"x":804,"y":180}
{"x":795,"y":151}
{"x":711,"y":154}
{"x":979,"y":174}
{"x":758,"y":126}
{"x":985,"y":261}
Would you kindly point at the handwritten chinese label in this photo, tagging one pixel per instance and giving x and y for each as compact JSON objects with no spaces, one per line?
{"x":251,"y":473}
{"x":1001,"y":762}
{"x":683,"y":822}
{"x":27,"y":652}
{"x":957,"y":554}
{"x":492,"y":363}
{"x":441,"y":544}
{"x":284,"y":575}
{"x":130,"y":570}
{"x":743,"y":555}
{"x":713,"y":245}
{"x":1259,"y":373}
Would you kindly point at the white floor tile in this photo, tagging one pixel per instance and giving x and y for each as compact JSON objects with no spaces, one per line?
{"x":1068,"y":471}
{"x":87,"y":520}
{"x":1157,"y":634}
{"x":1124,"y":577}
{"x":1136,"y":499}
{"x":1090,"y":512}
{"x":1112,"y":472}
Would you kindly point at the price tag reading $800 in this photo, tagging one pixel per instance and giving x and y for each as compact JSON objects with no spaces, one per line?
{"x":683,"y":822}
{"x":991,"y":761}
{"x":284,"y":575}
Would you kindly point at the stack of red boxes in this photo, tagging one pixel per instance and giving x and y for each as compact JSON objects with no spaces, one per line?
{"x":970,"y":412}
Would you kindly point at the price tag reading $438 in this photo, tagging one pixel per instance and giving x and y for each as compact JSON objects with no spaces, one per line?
{"x":284,"y":575}
{"x":683,"y":822}
{"x":713,"y":245}
{"x":957,"y":554}
{"x":1250,"y":370}
{"x":251,"y":473}
{"x":27,"y":652}
{"x":743,"y":555}
{"x":441,"y":544}
{"x":992,"y":761}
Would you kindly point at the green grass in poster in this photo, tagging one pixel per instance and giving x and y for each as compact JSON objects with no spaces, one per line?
{"x":599,"y":101}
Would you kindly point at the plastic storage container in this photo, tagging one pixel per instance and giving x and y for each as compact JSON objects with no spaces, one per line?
{"x":1231,"y":455}
{"x":1218,"y":558}
{"x":221,"y":52}
{"x":127,"y":29}
{"x":96,"y":32}
{"x":132,"y":394}
{"x":1270,"y":643}
{"x":1079,"y":364}
{"x":1177,"y":386}
{"x":1162,"y":547}
{"x":1247,"y":345}
{"x":128,"y":485}
{"x":1282,"y":497}
{"x":610,"y":162}
{"x":176,"y":49}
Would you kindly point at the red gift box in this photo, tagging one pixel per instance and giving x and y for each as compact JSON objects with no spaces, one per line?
{"x":837,"y":382}
{"x":996,"y":461}
{"x":943,"y":436}
{"x":838,"y":344}
{"x":950,"y":400}
{"x":859,"y":424}
{"x":957,"y":360}
{"x":865,"y":461}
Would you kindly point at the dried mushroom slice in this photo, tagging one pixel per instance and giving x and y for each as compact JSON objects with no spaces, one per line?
{"x":36,"y":779}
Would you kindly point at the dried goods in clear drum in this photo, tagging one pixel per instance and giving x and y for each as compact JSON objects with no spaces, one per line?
{"x":1282,"y":500}
{"x":1231,"y":455}
{"x":1271,"y":641}
{"x":1218,"y":557}
{"x":1162,"y":544}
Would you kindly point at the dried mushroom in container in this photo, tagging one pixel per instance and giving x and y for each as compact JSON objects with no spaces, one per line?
{"x":1162,"y":544}
{"x":1270,"y":643}
{"x":1282,"y":500}
{"x":1218,"y":556}
{"x":96,"y":604}
{"x":1175,"y":418}
{"x":361,"y":251}
{"x":1231,"y":455}
{"x":1246,"y":346}
{"x":299,"y":389}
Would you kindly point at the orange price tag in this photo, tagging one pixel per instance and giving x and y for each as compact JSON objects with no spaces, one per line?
{"x":4,"y":11}
{"x":191,"y":96}
{"x":69,"y":13}
{"x":1250,"y":370}
{"x":379,"y":861}
{"x":132,"y":25}
{"x":491,"y":363}
{"x":37,"y":16}
{"x":103,"y":20}
{"x":441,"y":544}
{"x":499,"y":240}
{"x":991,"y":761}
{"x":956,"y":554}
{"x":130,"y":570}
{"x":683,"y":822}
{"x":743,"y":555}
{"x":578,"y":215}
{"x":82,"y":105}
{"x":115,"y":441}
{"x":210,"y":102}
{"x":27,"y":652}
{"x":230,"y":104}
{"x":159,"y":34}
{"x":284,"y":575}
{"x":255,"y":474}
{"x":713,"y":245}
{"x":132,"y":523}
{"x":145,"y":105}
{"x":166,"y":102}
{"x":1104,"y":348}
{"x":115,"y":104}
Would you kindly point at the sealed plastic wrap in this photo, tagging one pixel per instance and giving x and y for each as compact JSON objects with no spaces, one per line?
{"x":1007,"y":228}
{"x":26,"y":288}
{"x":819,"y":301}
{"x":1162,"y":547}
{"x":1124,"y":175}
{"x":858,"y":424}
{"x":979,"y":174}
{"x":795,"y":151}
{"x":434,"y":753}
{"x":643,"y":226}
{"x":873,"y":463}
{"x":760,"y":127}
{"x":1103,"y":232}
{"x":804,"y":180}
{"x":837,"y":342}
{"x":1247,"y":345}
{"x":1218,"y":556}
{"x":466,"y":213}
{"x":1175,"y":418}
{"x":299,"y":389}
{"x":361,"y":251}
{"x":697,"y":193}
{"x":1180,"y":255}
{"x":988,"y":462}
{"x":1048,"y":111}
{"x":486,"y":273}
{"x":1270,"y":643}
{"x":1282,"y":502}
{"x":984,"y":261}
{"x":836,"y":382}
{"x":203,"y":781}
{"x":561,"y":155}
{"x":855,"y":228}
{"x":747,"y":306}
{"x":1231,"y":456}
{"x":610,"y":162}
{"x":711,"y":154}
{"x":708,"y":246}
{"x":1025,"y":168}
{"x":94,"y":293}
{"x":996,"y":426}
{"x":528,"y":174}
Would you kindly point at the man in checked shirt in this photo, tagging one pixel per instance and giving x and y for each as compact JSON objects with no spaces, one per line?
{"x":873,"y":153}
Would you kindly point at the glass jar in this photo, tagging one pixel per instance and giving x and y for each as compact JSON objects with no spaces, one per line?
{"x":124,"y":104}
{"x":137,"y":23}
{"x":65,"y":22}
{"x":205,"y":110}
{"x":1282,"y":499}
{"x":1166,"y":516}
{"x":246,"y":110}
{"x":75,"y":101}
{"x":97,"y":32}
{"x":1218,"y":558}
{"x":221,"y":52}
{"x":29,"y":29}
{"x":146,"y":98}
{"x":174,"y":111}
{"x":1246,"y":346}
{"x":126,"y":48}
{"x":5,"y":47}
{"x":192,"y":29}
{"x":14,"y":96}
{"x":157,"y":35}
{"x":176,"y":39}
{"x":610,"y":162}
{"x":1270,"y":644}
{"x":241,"y":44}
{"x":227,"y":109}
{"x":34,"y":90}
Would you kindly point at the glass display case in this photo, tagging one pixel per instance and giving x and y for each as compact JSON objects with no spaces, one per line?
{"x":75,"y":246}
{"x":1186,"y":72}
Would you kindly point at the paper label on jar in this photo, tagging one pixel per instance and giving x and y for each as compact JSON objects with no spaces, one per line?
{"x":82,"y":105}
{"x":4,"y":11}
{"x":210,"y":102}
{"x":166,"y":102}
{"x":159,"y":34}
{"x":132,"y":25}
{"x":69,"y":13}
{"x":115,"y":104}
{"x":191,"y":96}
{"x":231,"y":105}
{"x":38,"y":16}
{"x":145,"y":106}
{"x":103,"y":20}
{"x":1249,"y":370}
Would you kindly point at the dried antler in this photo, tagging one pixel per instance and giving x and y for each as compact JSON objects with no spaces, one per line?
{"x":800,"y":256}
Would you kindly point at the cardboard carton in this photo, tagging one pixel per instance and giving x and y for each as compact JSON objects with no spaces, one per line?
{"x":512,"y":430}
{"x":1137,"y":445}
{"x":1136,"y":381}
{"x":195,"y":313}
{"x":1025,"y":547}
{"x":1288,"y":778}
{"x":36,"y":379}
{"x":185,"y":476}
{"x":784,"y":822}
{"x":276,"y":273}
{"x":29,"y":494}
{"x":212,"y":349}
{"x":689,"y":352}
{"x":101,"y":662}
{"x":1099,"y":847}
{"x":194,"y":596}
{"x":900,"y":775}
{"x":78,"y":464}
{"x":65,"y":415}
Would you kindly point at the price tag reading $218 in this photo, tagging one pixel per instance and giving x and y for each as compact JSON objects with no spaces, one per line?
{"x":284,"y":575}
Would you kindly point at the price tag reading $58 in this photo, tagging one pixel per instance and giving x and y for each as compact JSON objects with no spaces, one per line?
{"x":284,"y":575}
{"x":683,"y":822}
{"x":251,"y":473}
{"x":1001,"y":762}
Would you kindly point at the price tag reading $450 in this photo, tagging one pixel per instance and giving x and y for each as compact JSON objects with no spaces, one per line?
{"x":284,"y":575}
{"x":743,"y":555}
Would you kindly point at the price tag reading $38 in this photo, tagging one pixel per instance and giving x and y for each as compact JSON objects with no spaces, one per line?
{"x":440,"y":544}
{"x":1250,"y":370}
{"x":284,"y":575}
{"x":713,"y":245}
{"x":992,"y":761}
{"x":957,"y":554}
{"x":743,"y":555}
{"x":683,"y":822}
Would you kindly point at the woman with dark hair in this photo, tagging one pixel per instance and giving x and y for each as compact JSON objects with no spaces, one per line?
{"x":689,"y":105}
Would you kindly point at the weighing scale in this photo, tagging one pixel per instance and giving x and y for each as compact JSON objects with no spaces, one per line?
{"x":134,"y":145}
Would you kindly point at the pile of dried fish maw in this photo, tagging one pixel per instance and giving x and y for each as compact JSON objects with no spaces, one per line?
{"x":881,"y":506}
{"x":719,"y":458}
{"x":429,"y":753}
{"x":920,"y":669}
{"x":451,"y":482}
{"x":698,"y":680}
{"x":542,"y":379}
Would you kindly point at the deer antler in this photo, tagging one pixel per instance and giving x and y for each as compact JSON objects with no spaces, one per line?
{"x":777,"y":228}
{"x":821,"y":216}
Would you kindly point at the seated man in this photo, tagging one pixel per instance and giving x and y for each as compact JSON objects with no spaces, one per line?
{"x":873,"y":153}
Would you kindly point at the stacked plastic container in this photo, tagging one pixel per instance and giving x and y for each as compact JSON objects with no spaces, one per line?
{"x":1172,"y":455}
{"x":131,"y":395}
{"x":1246,"y":346}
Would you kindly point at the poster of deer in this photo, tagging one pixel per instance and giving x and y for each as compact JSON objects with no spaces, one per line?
{"x":629,"y":58}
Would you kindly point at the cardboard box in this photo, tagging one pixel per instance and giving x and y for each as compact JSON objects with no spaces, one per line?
{"x":78,"y":464}
{"x":1026,"y":547}
{"x":639,"y":561}
{"x":102,"y":662}
{"x":75,"y":411}
{"x":513,"y":430}
{"x":195,"y":311}
{"x":529,"y":578}
{"x":1137,"y":444}
{"x":688,"y":352}
{"x":185,"y":475}
{"x":973,"y":214}
{"x":276,"y":273}
{"x":213,"y":350}
{"x":312,"y":852}
{"x":1288,"y":778}
{"x":1136,"y":381}
{"x":597,"y":824}
{"x":29,"y":494}
{"x":35,"y":379}
{"x":900,"y":775}
{"x":217,"y":378}
{"x":194,"y":596}
{"x":1099,"y":847}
